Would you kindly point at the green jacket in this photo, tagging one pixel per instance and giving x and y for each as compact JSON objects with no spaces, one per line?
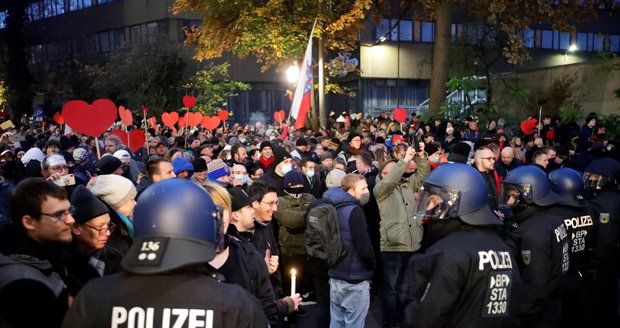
{"x":395,"y":197}
{"x":291,"y":214}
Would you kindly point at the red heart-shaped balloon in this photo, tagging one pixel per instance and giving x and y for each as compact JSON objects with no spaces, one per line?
{"x":194,"y":118}
{"x":528,"y":125}
{"x":189,"y":101}
{"x":222,"y":114}
{"x":59,"y":119}
{"x":152,"y":121}
{"x":400,"y":115}
{"x":136,"y":140}
{"x":211,"y":122}
{"x":170,"y":119}
{"x":278,"y":116}
{"x":121,"y":134}
{"x":125,"y":115}
{"x":91,"y":120}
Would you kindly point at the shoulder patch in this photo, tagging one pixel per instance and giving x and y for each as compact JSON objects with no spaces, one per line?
{"x":604,"y":218}
{"x":527,"y":256}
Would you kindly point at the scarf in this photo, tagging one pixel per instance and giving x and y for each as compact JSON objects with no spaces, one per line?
{"x":128,"y":223}
{"x":266,"y":163}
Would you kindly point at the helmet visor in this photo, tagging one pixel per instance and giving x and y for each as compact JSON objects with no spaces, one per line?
{"x":514,"y":196}
{"x":595,"y":181}
{"x":219,"y":228}
{"x":438,"y":202}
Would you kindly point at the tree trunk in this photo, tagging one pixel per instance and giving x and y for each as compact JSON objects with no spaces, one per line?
{"x":439,"y":74}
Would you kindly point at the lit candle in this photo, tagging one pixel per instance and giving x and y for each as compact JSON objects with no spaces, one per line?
{"x":293,"y":278}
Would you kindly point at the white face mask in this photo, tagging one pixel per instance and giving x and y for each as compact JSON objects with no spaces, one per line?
{"x":309,"y":174}
{"x":241,"y":178}
{"x":228,"y":157}
{"x":286,"y":168}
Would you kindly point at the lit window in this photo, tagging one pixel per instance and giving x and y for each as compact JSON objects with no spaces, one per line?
{"x":564,"y":40}
{"x":582,"y":41}
{"x":405,"y":30}
{"x":427,"y":31}
{"x":382,"y":28}
{"x":598,"y":41}
{"x":614,"y":43}
{"x":546,"y":41}
{"x":528,"y":38}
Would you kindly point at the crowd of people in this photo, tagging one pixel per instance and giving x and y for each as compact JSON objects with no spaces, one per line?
{"x":444,"y":223}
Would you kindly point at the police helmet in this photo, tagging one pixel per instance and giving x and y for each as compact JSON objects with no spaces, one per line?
{"x":602,"y":173}
{"x":568,"y":184}
{"x":527,"y":185}
{"x":175,"y":224}
{"x":456,"y":190}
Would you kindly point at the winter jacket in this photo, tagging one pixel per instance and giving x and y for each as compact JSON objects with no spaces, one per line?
{"x":81,"y":268}
{"x":395,"y":197}
{"x":358,"y":264}
{"x":291,"y":215}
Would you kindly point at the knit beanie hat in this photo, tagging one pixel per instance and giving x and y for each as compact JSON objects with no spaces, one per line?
{"x":107,"y":165}
{"x":293,"y":178}
{"x":280,"y":154}
{"x":181,"y":164}
{"x":217,"y":169}
{"x":334,"y":178}
{"x":86,"y":205}
{"x":80,"y":154}
{"x":113,"y":189}
{"x":33,"y":154}
{"x":265,"y":144}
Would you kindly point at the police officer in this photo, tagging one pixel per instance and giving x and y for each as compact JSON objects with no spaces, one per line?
{"x":602,"y":182}
{"x":578,"y":218}
{"x":467,"y":277}
{"x":166,"y":282}
{"x":540,"y":243}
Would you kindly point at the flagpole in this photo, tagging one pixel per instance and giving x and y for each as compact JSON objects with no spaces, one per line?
{"x":303,"y":63}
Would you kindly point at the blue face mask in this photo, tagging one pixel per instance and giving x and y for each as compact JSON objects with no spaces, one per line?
{"x":435,"y":160}
{"x":243,"y":140}
{"x":310,"y":174}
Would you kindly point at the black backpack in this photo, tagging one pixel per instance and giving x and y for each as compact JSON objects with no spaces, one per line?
{"x":323,"y":233}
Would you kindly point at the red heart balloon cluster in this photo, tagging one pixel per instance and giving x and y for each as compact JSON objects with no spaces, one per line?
{"x":190,"y":119}
{"x":90,"y":119}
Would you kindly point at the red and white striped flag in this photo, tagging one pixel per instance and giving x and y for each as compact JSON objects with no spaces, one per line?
{"x":301,"y":99}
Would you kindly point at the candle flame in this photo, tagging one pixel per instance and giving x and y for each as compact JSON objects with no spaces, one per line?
{"x":293,"y":272}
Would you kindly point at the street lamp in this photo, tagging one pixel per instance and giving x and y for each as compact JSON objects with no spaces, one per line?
{"x":292,"y":73}
{"x":572,"y":48}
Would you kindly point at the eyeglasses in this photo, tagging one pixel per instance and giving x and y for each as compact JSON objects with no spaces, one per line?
{"x":61,"y":216}
{"x":272,"y":204}
{"x":110,"y":227}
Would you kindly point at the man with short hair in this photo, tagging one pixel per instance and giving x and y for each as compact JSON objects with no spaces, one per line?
{"x":239,"y":154}
{"x":263,"y":238}
{"x":507,"y":163}
{"x":484,"y":161}
{"x":32,"y":293}
{"x":157,"y":169}
{"x":54,"y":168}
{"x":112,"y":143}
{"x":312,"y":183}
{"x":350,"y":278}
{"x":541,"y":159}
{"x":240,"y":176}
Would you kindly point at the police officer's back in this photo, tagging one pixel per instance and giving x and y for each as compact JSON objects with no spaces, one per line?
{"x":602,"y":181}
{"x":578,"y":218}
{"x":165,"y":282}
{"x":540,"y":243}
{"x":466,"y":278}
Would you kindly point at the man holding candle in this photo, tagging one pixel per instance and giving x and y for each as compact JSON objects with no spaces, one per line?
{"x":350,"y":278}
